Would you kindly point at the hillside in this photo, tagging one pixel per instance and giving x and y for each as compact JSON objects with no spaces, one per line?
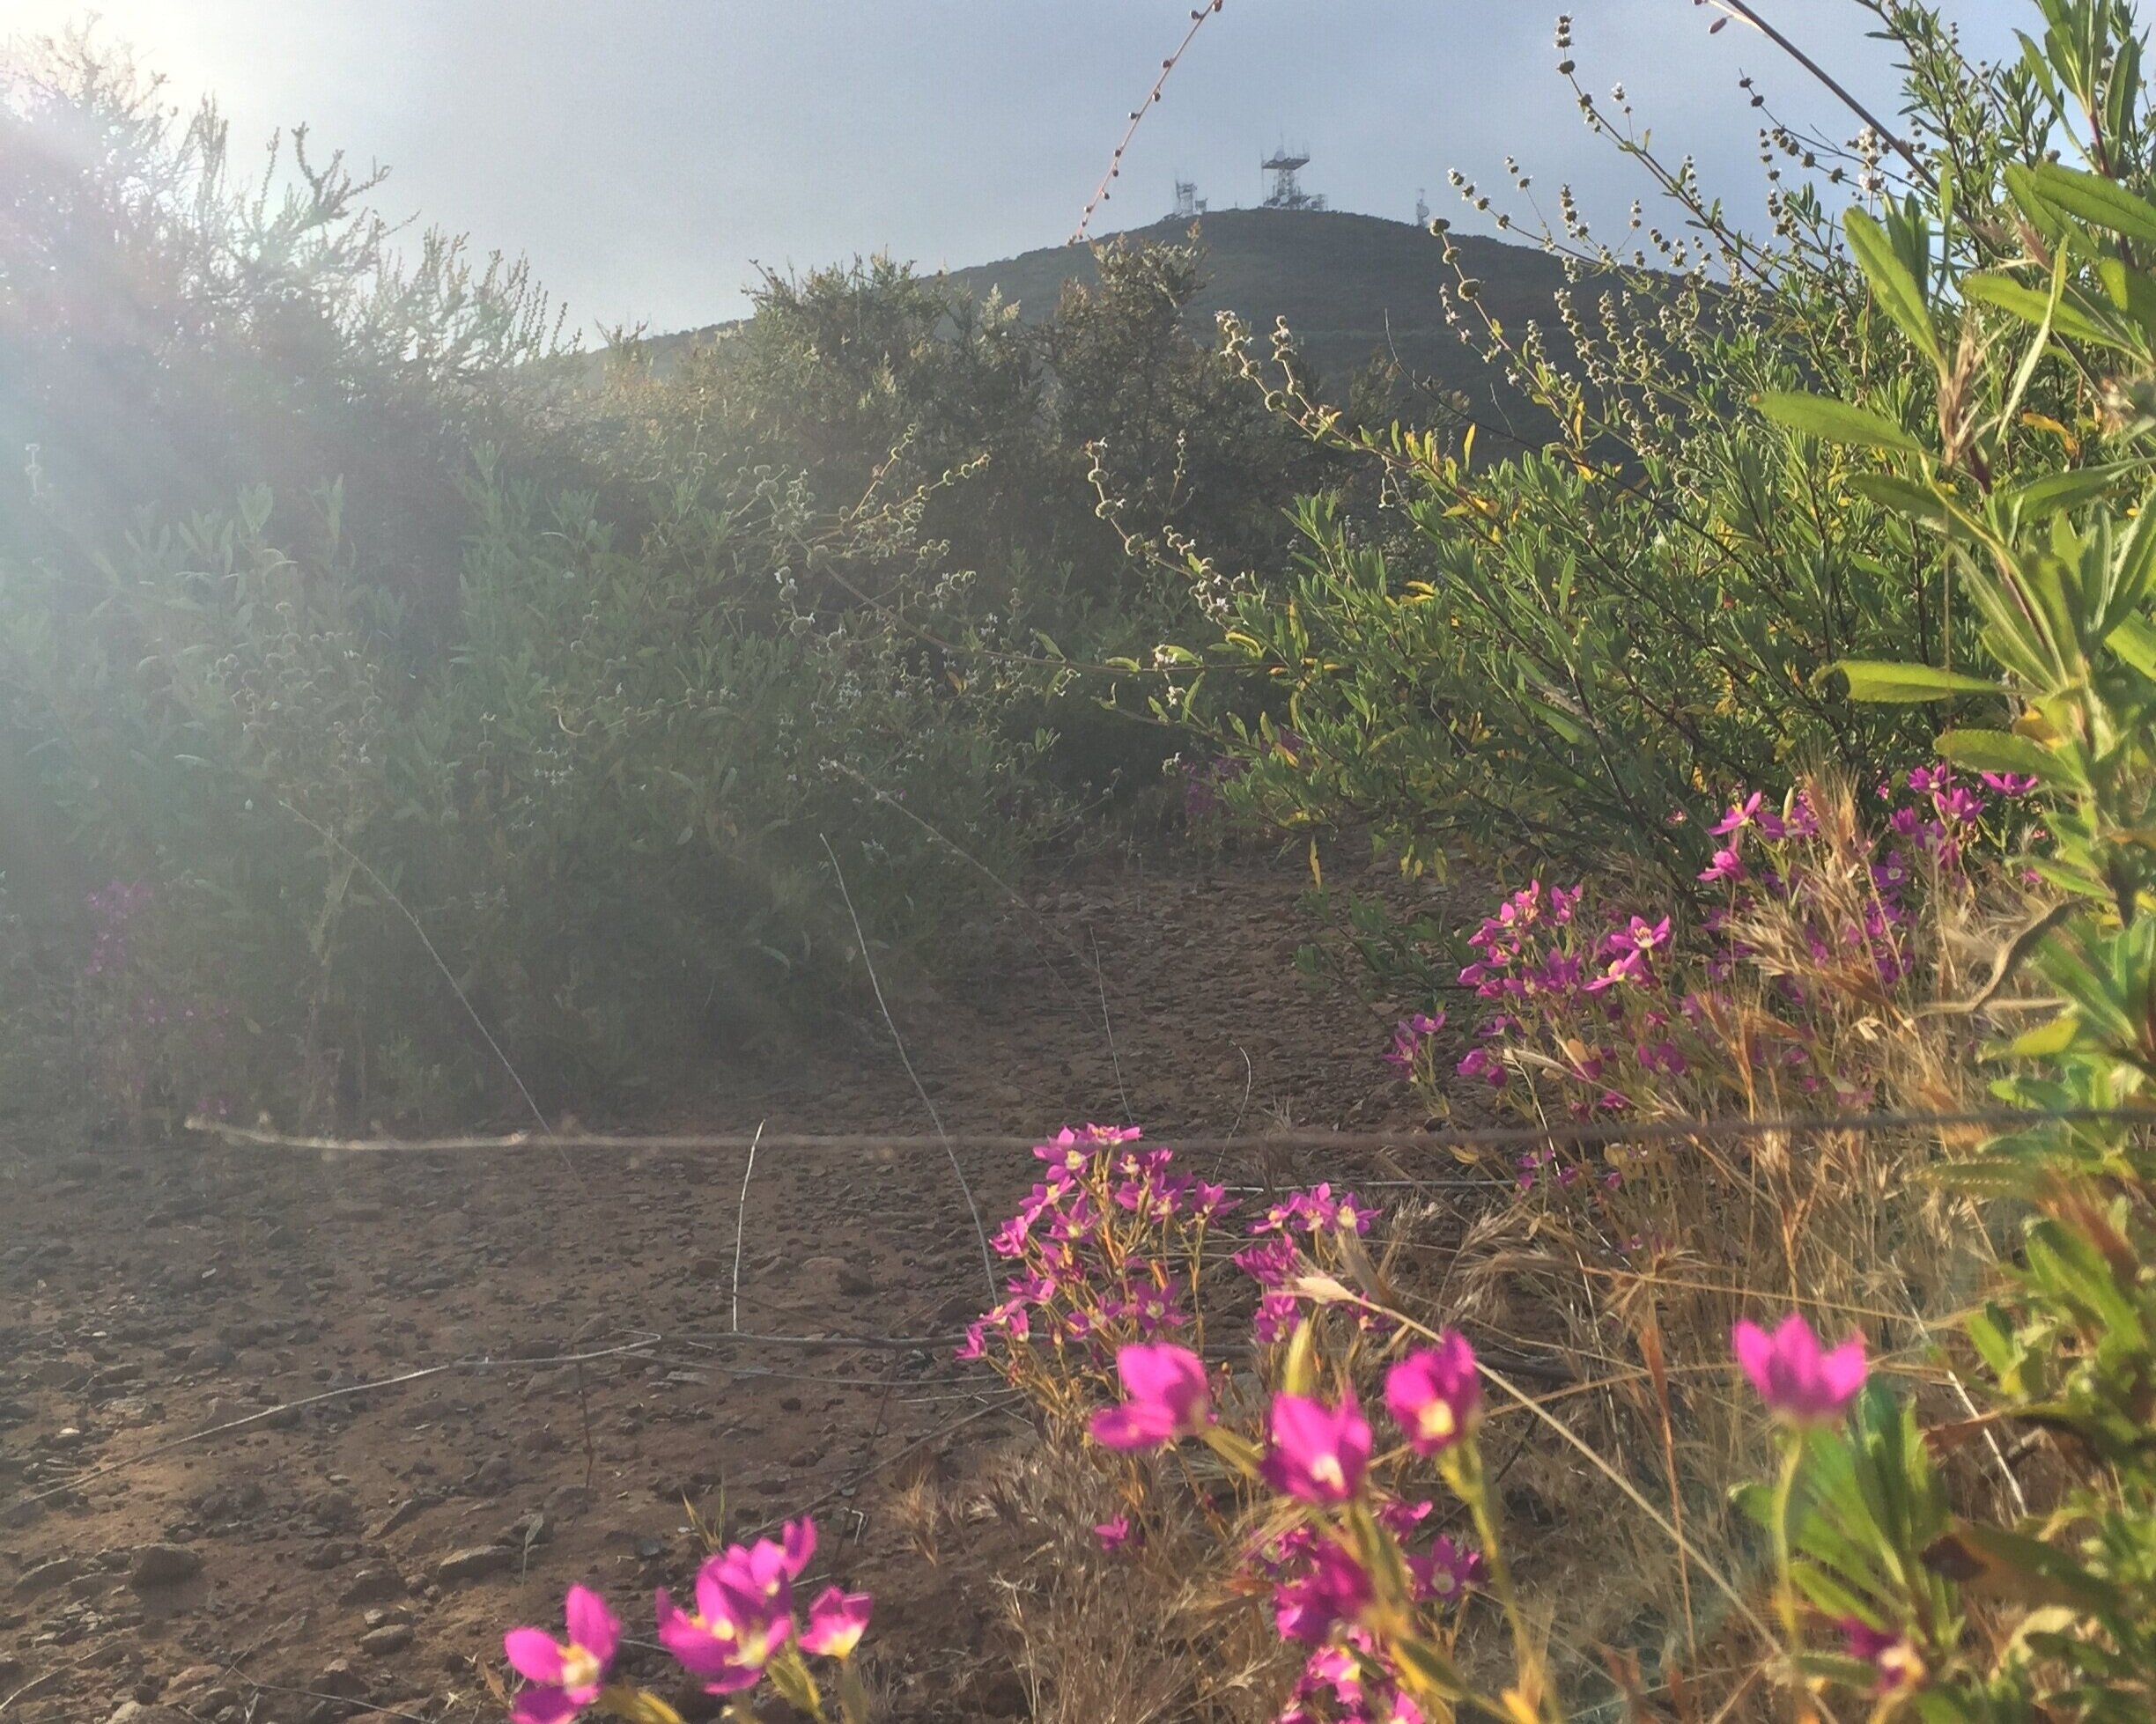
{"x":1350,"y":286}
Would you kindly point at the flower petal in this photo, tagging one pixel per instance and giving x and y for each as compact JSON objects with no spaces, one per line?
{"x":533,"y":1655}
{"x":543,"y":1705}
{"x":592,"y":1626}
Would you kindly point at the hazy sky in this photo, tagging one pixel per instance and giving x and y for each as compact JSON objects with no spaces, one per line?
{"x":646,"y":153}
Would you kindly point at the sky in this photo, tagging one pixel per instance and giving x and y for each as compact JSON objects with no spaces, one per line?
{"x":648,"y":155}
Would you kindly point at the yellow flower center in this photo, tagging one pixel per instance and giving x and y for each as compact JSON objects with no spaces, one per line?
{"x":1436,"y":1421}
{"x":580,"y":1667}
{"x":1326,"y":1470}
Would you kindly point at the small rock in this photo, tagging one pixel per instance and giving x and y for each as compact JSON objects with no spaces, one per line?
{"x":48,"y":1575}
{"x":341,"y":1682}
{"x":409,"y":1509}
{"x":134,"y":1711}
{"x":164,"y":1565}
{"x":390,"y":1637}
{"x":569,"y":1498}
{"x":473,"y":1563}
{"x":491,"y":1478}
{"x":373,"y":1584}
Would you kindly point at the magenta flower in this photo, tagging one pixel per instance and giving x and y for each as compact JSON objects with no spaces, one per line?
{"x":1275,"y":1318}
{"x":1436,"y":1395}
{"x":1800,"y":1380}
{"x":1740,"y":816}
{"x":1481,"y":1063}
{"x":1114,"y":1534}
{"x":2008,"y":784}
{"x":1334,"y":1589}
{"x":744,"y":1610}
{"x":1899,"y":1666}
{"x":1318,"y":1453}
{"x":1727,"y":864}
{"x":1166,"y":1398}
{"x":564,"y":1678}
{"x":1447,"y":1571}
{"x":1629,"y":967}
{"x":835,"y":1621}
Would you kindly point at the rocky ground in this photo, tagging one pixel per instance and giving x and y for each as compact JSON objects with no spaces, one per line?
{"x":293,"y":1437}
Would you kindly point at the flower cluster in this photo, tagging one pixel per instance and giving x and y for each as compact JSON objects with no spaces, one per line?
{"x":741,"y":1631}
{"x":1107,"y":1248}
{"x":1604,"y":1006}
{"x":1348,"y":1572}
{"x":1412,"y":1040}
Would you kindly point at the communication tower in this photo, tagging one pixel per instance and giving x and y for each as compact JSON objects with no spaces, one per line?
{"x":1423,"y":210}
{"x":1188,"y":205}
{"x":1283,"y":186}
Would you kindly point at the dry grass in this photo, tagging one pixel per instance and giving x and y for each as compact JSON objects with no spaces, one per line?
{"x":1632,"y":1296}
{"x":1140,"y":1636}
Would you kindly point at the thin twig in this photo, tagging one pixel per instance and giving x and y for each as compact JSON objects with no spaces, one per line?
{"x":1115,"y":161}
{"x":740,"y":1221}
{"x":1108,"y":1026}
{"x":862,"y":940}
{"x":447,"y":975}
{"x":1250,"y":1082}
{"x":350,"y":1390}
{"x":1744,"y":14}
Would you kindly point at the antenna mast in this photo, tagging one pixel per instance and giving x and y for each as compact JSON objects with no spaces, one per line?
{"x":1283,"y":186}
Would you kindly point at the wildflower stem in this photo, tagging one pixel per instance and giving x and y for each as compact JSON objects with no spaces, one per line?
{"x":1785,"y":1488}
{"x":1462,"y":1468}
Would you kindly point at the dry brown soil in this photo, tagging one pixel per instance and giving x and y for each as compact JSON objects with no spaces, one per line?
{"x":359,"y":1555}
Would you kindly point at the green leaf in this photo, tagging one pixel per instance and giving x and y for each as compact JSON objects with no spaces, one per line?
{"x":1834,"y":422}
{"x":2034,"y":306}
{"x":2104,"y":202}
{"x":1905,"y":498}
{"x":2042,"y":215}
{"x":1872,"y":680}
{"x":2058,"y":491}
{"x":1898,"y":293}
{"x":1997,"y":751}
{"x":2134,"y":640}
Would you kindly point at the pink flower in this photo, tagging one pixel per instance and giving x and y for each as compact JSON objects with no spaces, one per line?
{"x":1481,"y":1063}
{"x":1334,"y":1590}
{"x":1275,"y":1318}
{"x":1165,"y":1398}
{"x":1798,"y":1379}
{"x":1727,"y":864}
{"x":1113,"y":1535}
{"x":564,"y":1678}
{"x":1447,"y":1570}
{"x":1741,"y":816}
{"x":1897,"y":1662}
{"x":2008,"y":784}
{"x":835,"y":1621}
{"x":1318,"y":1453}
{"x":744,"y":1610}
{"x":1631,"y":967}
{"x":1436,"y":1395}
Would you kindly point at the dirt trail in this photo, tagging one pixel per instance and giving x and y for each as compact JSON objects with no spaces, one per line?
{"x":357,"y":1554}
